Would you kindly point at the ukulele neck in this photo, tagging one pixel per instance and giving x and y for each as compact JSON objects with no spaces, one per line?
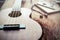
{"x":17,"y":5}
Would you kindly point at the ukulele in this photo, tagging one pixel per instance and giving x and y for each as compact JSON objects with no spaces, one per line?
{"x":17,"y":17}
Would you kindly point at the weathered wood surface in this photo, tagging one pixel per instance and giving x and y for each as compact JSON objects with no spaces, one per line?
{"x":50,"y":25}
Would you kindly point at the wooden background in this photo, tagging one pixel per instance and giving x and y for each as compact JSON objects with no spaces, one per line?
{"x":50,"y":25}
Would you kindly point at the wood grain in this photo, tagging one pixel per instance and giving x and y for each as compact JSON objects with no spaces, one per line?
{"x":50,"y":25}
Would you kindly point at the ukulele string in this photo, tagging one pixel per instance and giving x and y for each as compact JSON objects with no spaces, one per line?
{"x":11,"y":14}
{"x":15,"y":14}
